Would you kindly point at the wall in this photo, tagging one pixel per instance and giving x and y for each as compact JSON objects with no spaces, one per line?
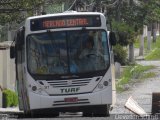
{"x":7,"y":69}
{"x":1,"y":75}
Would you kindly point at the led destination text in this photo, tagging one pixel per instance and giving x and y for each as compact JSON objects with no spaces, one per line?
{"x":65,"y":23}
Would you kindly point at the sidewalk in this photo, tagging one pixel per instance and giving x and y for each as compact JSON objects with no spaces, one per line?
{"x":136,"y":55}
{"x":10,"y":110}
{"x":146,"y":63}
{"x":142,"y":61}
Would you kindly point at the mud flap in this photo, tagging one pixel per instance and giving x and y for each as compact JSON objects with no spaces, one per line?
{"x":155,"y":103}
{"x":133,"y":106}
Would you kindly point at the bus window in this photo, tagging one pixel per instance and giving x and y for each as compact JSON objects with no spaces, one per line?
{"x":59,"y":52}
{"x":97,"y":59}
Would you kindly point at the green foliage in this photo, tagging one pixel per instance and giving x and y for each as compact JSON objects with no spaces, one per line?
{"x":18,"y":7}
{"x":137,"y":42}
{"x":133,"y":15}
{"x":155,"y":48}
{"x":54,"y":8}
{"x":122,"y":27}
{"x":122,"y":32}
{"x":147,"y":75}
{"x":130,"y":14}
{"x":133,"y":72}
{"x":120,"y":54}
{"x":10,"y":98}
{"x":126,"y":34}
{"x":152,"y":8}
{"x":153,"y":55}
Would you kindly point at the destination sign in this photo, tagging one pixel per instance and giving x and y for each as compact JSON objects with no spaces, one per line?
{"x":65,"y":22}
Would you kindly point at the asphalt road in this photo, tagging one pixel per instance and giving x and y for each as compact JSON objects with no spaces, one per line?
{"x":78,"y":116}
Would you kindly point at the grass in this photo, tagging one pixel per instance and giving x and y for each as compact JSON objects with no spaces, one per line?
{"x":154,"y":54}
{"x":139,"y":72}
{"x":147,"y":75}
{"x":133,"y":72}
{"x":137,"y":43}
{"x":153,"y":45}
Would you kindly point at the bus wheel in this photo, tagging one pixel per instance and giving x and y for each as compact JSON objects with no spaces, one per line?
{"x":55,"y":114}
{"x":102,"y":111}
{"x":87,"y":114}
{"x":52,"y":114}
{"x":44,"y":114}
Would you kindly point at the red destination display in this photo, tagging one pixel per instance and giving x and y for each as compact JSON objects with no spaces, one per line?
{"x":65,"y":22}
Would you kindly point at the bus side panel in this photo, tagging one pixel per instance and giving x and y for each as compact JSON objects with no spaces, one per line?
{"x":113,"y":85}
{"x":19,"y":77}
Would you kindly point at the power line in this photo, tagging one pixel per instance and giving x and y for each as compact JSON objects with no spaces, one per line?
{"x":72,"y":5}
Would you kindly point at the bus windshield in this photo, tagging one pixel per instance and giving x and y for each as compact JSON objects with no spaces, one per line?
{"x":67,"y":52}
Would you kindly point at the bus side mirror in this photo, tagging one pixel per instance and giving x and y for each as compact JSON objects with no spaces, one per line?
{"x":20,"y":38}
{"x":12,"y":52}
{"x":112,"y":38}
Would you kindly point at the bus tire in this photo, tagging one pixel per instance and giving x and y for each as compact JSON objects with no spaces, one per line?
{"x":55,"y":114}
{"x":39,"y":114}
{"x":102,"y":111}
{"x":87,"y":114}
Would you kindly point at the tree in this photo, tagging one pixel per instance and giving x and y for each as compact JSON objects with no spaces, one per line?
{"x":153,"y":15}
{"x":135,"y":14}
{"x":13,"y":10}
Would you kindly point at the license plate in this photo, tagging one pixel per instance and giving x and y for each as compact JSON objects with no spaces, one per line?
{"x":74,"y":99}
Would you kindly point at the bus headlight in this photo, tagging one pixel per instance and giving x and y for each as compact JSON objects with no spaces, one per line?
{"x":102,"y":85}
{"x":37,"y":89}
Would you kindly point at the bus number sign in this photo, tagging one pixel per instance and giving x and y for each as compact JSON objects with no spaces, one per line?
{"x":65,"y":22}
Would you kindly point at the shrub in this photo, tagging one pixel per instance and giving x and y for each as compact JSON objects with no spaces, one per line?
{"x":10,"y":98}
{"x":120,"y":54}
{"x":125,"y":32}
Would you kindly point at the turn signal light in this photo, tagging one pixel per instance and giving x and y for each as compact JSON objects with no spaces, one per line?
{"x":34,"y":88}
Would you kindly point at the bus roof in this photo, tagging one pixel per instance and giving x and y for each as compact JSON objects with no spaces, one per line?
{"x":67,"y":13}
{"x":65,"y":20}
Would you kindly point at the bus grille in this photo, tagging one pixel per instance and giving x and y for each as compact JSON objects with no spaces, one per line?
{"x":69,"y":83}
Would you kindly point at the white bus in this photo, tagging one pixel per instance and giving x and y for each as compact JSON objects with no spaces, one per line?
{"x":55,"y":70}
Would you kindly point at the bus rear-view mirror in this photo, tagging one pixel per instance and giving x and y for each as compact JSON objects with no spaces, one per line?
{"x":12,"y":52}
{"x":112,"y":38}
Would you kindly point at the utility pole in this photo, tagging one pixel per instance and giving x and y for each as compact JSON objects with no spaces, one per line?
{"x":141,"y":49}
{"x":131,"y":45}
{"x":149,"y":27}
{"x":154,"y":31}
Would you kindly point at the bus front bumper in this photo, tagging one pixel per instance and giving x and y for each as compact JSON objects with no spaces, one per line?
{"x":104,"y":97}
